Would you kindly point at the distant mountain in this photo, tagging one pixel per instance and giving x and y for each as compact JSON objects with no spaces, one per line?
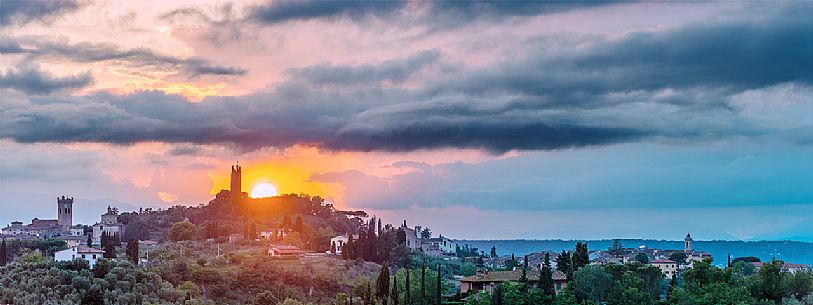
{"x":800,"y":231}
{"x":789,"y":251}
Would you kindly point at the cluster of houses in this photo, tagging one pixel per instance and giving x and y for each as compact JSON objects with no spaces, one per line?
{"x":63,"y":228}
{"x":434,"y":246}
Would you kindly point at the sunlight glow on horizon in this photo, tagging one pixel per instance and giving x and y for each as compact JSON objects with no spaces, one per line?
{"x":263,"y":190}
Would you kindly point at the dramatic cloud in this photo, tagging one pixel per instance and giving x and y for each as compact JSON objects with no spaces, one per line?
{"x":435,"y":14}
{"x":38,"y":49}
{"x":22,"y":12}
{"x":395,"y":70}
{"x":35,"y":81}
{"x":598,"y":94}
{"x":289,"y":10}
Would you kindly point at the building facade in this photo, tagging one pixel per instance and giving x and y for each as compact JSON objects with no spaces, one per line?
{"x":109,"y":224}
{"x":87,"y":253}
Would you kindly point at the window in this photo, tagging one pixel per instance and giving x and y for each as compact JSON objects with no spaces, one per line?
{"x":558,"y":286}
{"x":94,"y":256}
{"x":83,"y":256}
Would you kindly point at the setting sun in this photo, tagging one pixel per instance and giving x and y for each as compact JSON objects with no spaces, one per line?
{"x":263,"y":189}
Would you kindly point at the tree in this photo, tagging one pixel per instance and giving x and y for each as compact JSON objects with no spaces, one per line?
{"x":567,"y":297}
{"x":678,"y":257}
{"x":109,"y":249}
{"x":394,"y":294}
{"x":616,"y":248}
{"x":438,"y":289}
{"x":3,"y":253}
{"x":770,"y":280}
{"x":564,"y":263}
{"x":90,"y":240}
{"x":183,"y":230}
{"x":426,"y":233}
{"x":408,"y":292}
{"x":132,"y":250}
{"x":747,"y":259}
{"x":581,"y":257}
{"x":523,"y":278}
{"x":497,"y":295}
{"x":642,"y":258}
{"x":382,"y":287}
{"x":591,"y":283}
{"x":298,"y":224}
{"x":423,"y":284}
{"x":546,"y":277}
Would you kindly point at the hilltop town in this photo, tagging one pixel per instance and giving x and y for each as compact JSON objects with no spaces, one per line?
{"x":234,"y":228}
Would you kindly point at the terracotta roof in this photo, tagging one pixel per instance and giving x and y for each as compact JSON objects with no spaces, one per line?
{"x":514,"y":276}
{"x":283,"y":249}
{"x":662,"y":261}
{"x":85,"y":249}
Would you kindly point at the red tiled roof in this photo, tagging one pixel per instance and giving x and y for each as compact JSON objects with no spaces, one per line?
{"x":514,"y":276}
{"x":85,"y":249}
{"x":662,"y":261}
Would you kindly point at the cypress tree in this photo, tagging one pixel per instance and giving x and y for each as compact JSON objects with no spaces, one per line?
{"x":3,"y":253}
{"x":382,"y":288}
{"x":90,"y":240}
{"x":546,"y":277}
{"x":394,"y":294}
{"x":523,"y":279}
{"x":408,"y":290}
{"x":423,"y":284}
{"x":368,"y":295}
{"x":438,"y":289}
{"x":132,"y":250}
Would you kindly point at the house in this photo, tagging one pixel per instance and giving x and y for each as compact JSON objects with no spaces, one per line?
{"x":668,"y":267}
{"x":411,"y":241}
{"x":73,"y":240}
{"x":439,"y":245}
{"x":109,"y":224}
{"x":87,"y":253}
{"x":488,"y":280}
{"x":789,"y":267}
{"x":340,"y":241}
{"x":274,"y":233}
{"x":283,"y":251}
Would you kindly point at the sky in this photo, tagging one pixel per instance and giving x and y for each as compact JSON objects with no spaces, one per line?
{"x":477,"y":119}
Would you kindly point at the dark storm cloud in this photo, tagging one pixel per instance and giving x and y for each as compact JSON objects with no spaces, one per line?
{"x":21,"y":12}
{"x":35,"y":49}
{"x":280,"y":11}
{"x":35,"y":81}
{"x":673,"y":84}
{"x":395,"y":70}
{"x":439,"y":13}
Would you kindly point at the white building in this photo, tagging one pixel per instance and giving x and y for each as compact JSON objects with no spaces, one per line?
{"x":83,"y":252}
{"x":668,"y":267}
{"x":110,"y":224}
{"x":77,"y":231}
{"x":340,"y":241}
{"x":412,"y":241}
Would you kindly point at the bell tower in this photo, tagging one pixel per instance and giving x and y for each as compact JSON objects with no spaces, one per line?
{"x":64,"y":206}
{"x":687,"y":243}
{"x":236,"y":180}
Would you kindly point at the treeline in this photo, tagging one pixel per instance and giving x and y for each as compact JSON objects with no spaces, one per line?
{"x":36,"y":280}
{"x":637,"y":283}
{"x":376,"y":243}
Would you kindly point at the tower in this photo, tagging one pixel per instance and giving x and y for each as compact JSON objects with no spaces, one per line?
{"x":64,"y":207}
{"x":236,"y":183}
{"x":687,"y":243}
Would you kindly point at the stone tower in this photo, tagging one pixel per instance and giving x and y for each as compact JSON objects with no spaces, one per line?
{"x":64,"y":206}
{"x":236,"y":182}
{"x":687,"y":243}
